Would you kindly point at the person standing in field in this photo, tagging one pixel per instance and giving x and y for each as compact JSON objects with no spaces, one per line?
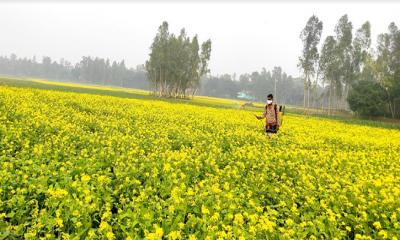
{"x":271,"y":115}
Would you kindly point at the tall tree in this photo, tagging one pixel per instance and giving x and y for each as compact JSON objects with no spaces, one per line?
{"x":362,"y":61}
{"x":388,"y":66}
{"x":175,"y":66}
{"x":344,"y":36}
{"x":328,"y":67}
{"x":205,"y":56}
{"x":361,"y":49}
{"x":310,"y":35}
{"x":277,"y":78}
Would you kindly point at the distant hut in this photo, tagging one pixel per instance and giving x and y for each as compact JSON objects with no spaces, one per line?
{"x":244,"y":95}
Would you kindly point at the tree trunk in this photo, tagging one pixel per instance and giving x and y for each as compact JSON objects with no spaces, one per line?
{"x":330,"y":99}
{"x":155,"y":82}
{"x":161,"y":87}
{"x":344,"y":97}
{"x":308,"y":94}
{"x":391,"y":109}
{"x":305,"y":91}
{"x":334,"y":100}
{"x":167,"y":92}
{"x":179,"y":87}
{"x":194,"y":92}
{"x":315,"y":98}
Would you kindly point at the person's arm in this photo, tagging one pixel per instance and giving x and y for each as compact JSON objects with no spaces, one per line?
{"x":263,"y":115}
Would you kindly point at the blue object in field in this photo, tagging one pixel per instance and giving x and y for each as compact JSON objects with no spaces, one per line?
{"x":244,"y":95}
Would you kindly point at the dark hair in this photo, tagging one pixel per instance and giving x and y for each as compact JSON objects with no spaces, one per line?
{"x":270,"y":96}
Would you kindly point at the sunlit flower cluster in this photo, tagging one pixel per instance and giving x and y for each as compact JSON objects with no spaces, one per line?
{"x":80,"y":166}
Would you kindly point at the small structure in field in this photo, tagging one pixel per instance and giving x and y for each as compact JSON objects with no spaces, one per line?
{"x":245,"y":95}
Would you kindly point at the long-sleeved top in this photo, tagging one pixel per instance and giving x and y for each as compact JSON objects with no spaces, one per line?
{"x":269,"y":115}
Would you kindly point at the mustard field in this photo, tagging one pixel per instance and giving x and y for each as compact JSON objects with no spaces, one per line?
{"x":87,"y":166}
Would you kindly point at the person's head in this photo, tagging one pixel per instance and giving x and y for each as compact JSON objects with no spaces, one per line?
{"x":270,"y":99}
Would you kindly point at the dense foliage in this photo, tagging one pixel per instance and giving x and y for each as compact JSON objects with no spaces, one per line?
{"x":88,"y":70}
{"x":367,"y":98}
{"x":308,"y":61}
{"x":102,"y":72}
{"x":175,"y":65}
{"x":286,"y":89}
{"x":345,"y":60}
{"x":78,"y":166}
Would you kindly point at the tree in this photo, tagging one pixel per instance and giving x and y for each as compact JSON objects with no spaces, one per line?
{"x":310,"y":36}
{"x":175,"y":66}
{"x":328,"y":67}
{"x":257,"y":84}
{"x":388,"y":67}
{"x":367,"y":98}
{"x":277,"y":78}
{"x":204,"y":58}
{"x":344,"y":36}
{"x":361,"y":53}
{"x":89,"y":70}
{"x":363,"y":62}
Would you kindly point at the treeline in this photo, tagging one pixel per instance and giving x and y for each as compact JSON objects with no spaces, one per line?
{"x":350,"y":72}
{"x":177,"y":63}
{"x":286,"y":89}
{"x":89,"y":70}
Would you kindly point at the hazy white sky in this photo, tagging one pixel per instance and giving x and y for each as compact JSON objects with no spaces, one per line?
{"x":245,"y":36}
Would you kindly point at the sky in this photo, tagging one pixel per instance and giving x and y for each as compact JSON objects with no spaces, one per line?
{"x":246,"y":35}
